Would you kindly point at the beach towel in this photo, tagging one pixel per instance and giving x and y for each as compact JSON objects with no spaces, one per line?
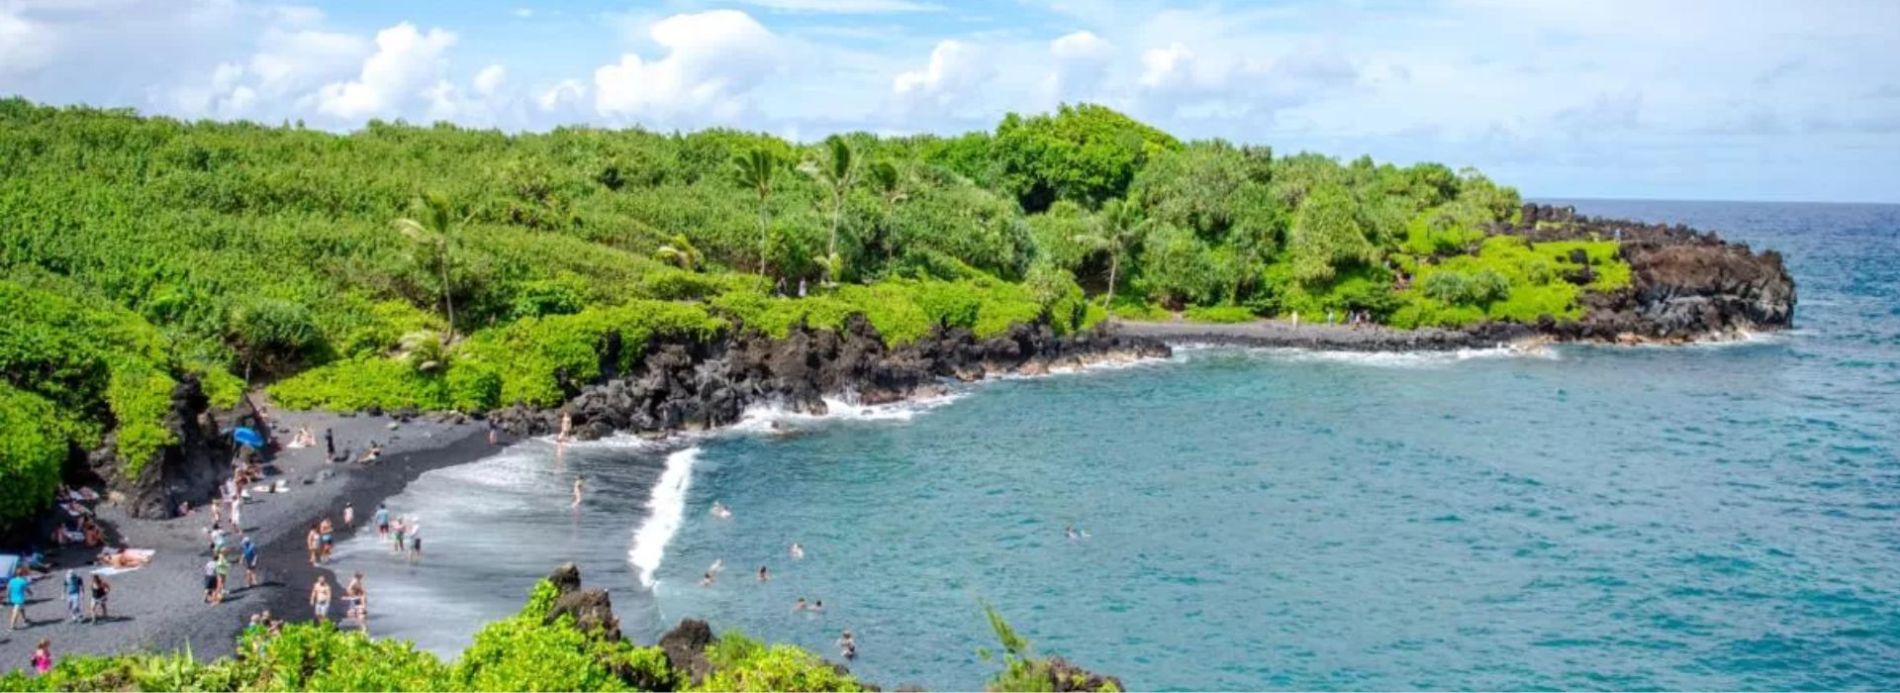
{"x":75,"y":509}
{"x":144,"y":556}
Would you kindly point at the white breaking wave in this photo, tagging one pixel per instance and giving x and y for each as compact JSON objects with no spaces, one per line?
{"x":1381,"y":359}
{"x":759,"y":418}
{"x":666,"y":508}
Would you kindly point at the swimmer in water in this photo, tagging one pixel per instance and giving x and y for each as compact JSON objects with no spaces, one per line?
{"x":1072,"y":534}
{"x":706,"y":580}
{"x":577,"y":492}
{"x":817,"y":607}
{"x":848,"y":646}
{"x":762,"y":576}
{"x":798,"y":552}
{"x":799,"y":605}
{"x":720,"y":510}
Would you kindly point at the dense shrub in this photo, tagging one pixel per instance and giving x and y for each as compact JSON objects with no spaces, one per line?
{"x":32,"y":448}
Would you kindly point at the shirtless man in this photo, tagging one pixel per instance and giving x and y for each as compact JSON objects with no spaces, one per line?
{"x":320,"y":599}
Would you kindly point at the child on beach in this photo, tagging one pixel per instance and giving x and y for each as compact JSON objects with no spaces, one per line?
{"x":43,"y":657}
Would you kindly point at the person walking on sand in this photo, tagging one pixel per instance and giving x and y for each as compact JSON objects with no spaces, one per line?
{"x":100,"y":590}
{"x":19,"y":587}
{"x":349,"y":515}
{"x":382,"y":522}
{"x":395,"y":531}
{"x":312,"y":543}
{"x":237,"y":512}
{"x":577,"y":492}
{"x":224,"y":575}
{"x":75,"y":590}
{"x":248,"y":553}
{"x":320,"y":599}
{"x":43,"y":657}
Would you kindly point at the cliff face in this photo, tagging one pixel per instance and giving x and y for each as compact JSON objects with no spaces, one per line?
{"x":1684,"y":284}
{"x":188,"y":470}
{"x":697,"y":386}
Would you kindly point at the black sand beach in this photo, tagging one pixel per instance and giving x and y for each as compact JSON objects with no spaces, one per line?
{"x":160,"y":607}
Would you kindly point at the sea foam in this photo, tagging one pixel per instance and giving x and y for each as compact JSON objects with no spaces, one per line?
{"x":666,"y":508}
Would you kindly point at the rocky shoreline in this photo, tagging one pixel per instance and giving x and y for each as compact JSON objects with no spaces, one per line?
{"x":698,"y":386}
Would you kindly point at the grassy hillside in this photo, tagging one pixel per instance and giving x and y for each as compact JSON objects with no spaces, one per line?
{"x":448,"y":268}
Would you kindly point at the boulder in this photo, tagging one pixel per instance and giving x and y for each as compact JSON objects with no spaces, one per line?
{"x":685,"y":648}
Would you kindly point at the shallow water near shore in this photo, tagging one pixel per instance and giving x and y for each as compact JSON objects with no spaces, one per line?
{"x":1708,"y":517}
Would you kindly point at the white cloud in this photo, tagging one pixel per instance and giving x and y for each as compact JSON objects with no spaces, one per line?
{"x":846,"y":6}
{"x":563,"y":96}
{"x":712,"y":61}
{"x":24,"y":45}
{"x":956,"y":70}
{"x":489,"y":80}
{"x":297,"y":61}
{"x":524,"y":12}
{"x":406,"y":62}
{"x":1170,"y":68}
{"x":1080,"y":62}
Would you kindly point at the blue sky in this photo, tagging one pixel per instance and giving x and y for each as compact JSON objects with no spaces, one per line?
{"x":1588,"y":98}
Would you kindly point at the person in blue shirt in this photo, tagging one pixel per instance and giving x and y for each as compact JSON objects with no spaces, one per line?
{"x":250,"y":562}
{"x":75,"y":588}
{"x":17,"y":590}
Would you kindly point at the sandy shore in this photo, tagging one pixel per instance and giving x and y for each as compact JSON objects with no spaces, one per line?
{"x":1281,"y":333}
{"x":160,"y":607}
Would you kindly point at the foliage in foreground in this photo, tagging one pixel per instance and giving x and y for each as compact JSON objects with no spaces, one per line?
{"x":520,"y":653}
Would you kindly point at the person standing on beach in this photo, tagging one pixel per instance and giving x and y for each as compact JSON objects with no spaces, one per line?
{"x":248,"y":553}
{"x":224,"y":575}
{"x":100,"y":590}
{"x":75,"y":589}
{"x":414,"y":527}
{"x":493,"y":432}
{"x":326,"y":537}
{"x":18,"y":588}
{"x":349,"y":515}
{"x":211,"y":579}
{"x":329,"y":446}
{"x":395,"y":530}
{"x":382,"y":522}
{"x":237,"y":511}
{"x":358,"y":597}
{"x":320,"y":599}
{"x":313,"y":544}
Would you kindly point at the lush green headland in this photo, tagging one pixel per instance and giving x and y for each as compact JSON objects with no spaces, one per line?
{"x":541,"y":648}
{"x":447,"y":268}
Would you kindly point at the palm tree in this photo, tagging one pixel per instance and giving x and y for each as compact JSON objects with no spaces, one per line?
{"x":889,"y":186}
{"x":680,"y":252}
{"x":754,"y":170}
{"x":837,"y":171}
{"x":1117,"y":228}
{"x":433,"y":226}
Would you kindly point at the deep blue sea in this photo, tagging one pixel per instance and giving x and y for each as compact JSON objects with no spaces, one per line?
{"x":1708,"y":517}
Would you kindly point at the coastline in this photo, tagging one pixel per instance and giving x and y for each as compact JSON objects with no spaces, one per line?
{"x":1273,"y":333}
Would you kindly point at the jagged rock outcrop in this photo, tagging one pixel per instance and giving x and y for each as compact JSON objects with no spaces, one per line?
{"x":592,"y":610}
{"x":696,"y":386}
{"x":1685,"y":284}
{"x":1064,"y":676}
{"x":685,"y":648}
{"x":188,"y":470}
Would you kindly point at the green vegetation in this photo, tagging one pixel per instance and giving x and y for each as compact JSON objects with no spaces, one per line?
{"x":448,"y":268}
{"x":1022,"y":671}
{"x":525,"y":652}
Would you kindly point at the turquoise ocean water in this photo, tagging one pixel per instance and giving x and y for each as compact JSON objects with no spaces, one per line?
{"x":1710,"y":517}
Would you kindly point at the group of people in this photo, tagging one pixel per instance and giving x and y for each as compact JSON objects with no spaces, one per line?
{"x":404,"y":533}
{"x":355,"y":595}
{"x":847,"y":644}
{"x":78,"y":589}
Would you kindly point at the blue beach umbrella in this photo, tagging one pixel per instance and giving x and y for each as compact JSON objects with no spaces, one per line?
{"x":247,"y":436}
